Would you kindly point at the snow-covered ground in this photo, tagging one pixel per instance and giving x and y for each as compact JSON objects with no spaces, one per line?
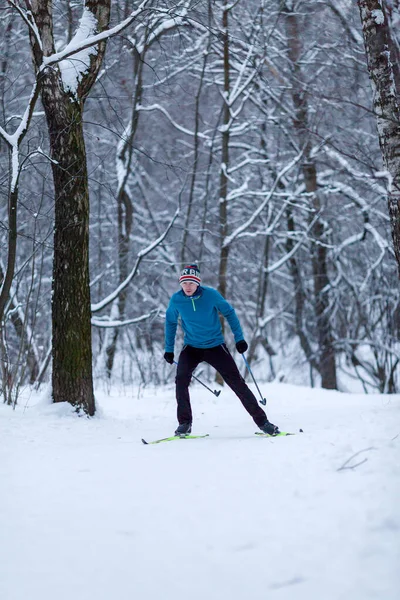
{"x":87,"y":512}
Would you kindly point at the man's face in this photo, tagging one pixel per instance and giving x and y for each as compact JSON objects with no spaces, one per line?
{"x":189,"y":287}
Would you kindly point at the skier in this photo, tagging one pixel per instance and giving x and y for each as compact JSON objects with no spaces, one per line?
{"x":199,"y":307}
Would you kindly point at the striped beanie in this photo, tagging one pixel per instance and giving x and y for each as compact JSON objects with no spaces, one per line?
{"x":190,"y":273}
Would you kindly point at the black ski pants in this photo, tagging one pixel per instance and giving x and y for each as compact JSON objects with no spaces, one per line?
{"x":220,"y":358}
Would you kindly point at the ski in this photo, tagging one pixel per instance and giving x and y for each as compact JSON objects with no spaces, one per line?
{"x":268,"y":435}
{"x":175,"y":437}
{"x":197,"y":437}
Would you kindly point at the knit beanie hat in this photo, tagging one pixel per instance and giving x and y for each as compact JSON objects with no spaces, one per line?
{"x":190,"y":273}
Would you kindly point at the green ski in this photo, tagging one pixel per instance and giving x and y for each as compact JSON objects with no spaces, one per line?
{"x":268,"y":435}
{"x":176,"y":437}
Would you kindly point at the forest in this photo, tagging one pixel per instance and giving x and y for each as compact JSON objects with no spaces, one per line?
{"x":257,"y":138}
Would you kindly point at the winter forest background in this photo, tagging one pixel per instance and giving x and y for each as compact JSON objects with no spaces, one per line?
{"x":241,"y":135}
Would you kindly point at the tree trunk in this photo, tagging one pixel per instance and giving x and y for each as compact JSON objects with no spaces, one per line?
{"x":124,"y":204}
{"x":72,"y":340}
{"x":20,"y":330}
{"x":223,"y":181}
{"x":223,"y":184}
{"x":71,"y":327}
{"x":382,"y":54}
{"x":299,"y":295}
{"x":12,"y":251}
{"x":327,"y":365}
{"x":326,"y":359}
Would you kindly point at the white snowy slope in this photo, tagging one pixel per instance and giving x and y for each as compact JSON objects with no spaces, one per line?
{"x":87,"y":512}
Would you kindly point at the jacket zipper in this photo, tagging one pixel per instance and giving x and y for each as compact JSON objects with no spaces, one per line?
{"x":194,"y":306}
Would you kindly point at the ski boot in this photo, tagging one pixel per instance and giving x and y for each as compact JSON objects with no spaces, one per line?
{"x":183,"y":429}
{"x":270,"y":428}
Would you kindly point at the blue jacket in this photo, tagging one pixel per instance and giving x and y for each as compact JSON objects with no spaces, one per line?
{"x":200,"y":319}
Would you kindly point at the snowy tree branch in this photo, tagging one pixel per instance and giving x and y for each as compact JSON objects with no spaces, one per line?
{"x":107,"y":322}
{"x":106,"y":301}
{"x":230,"y":238}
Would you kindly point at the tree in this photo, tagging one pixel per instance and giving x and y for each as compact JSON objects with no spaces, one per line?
{"x":383,"y":58}
{"x":326,"y":354}
{"x":64,"y":88}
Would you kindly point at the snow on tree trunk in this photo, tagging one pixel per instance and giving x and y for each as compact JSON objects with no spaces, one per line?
{"x":382,"y":66}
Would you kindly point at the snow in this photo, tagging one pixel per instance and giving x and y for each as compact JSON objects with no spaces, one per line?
{"x":73,"y":69}
{"x":378,"y":16}
{"x":14,"y":168}
{"x":88,"y":512}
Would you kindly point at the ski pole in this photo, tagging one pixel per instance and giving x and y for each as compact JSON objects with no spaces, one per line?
{"x":215,"y":392}
{"x":263,"y":400}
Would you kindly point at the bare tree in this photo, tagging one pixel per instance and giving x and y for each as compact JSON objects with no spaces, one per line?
{"x":64,"y":89}
{"x":326,"y":358}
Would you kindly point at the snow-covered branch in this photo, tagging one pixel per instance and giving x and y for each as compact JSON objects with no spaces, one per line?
{"x":106,"y":301}
{"x":104,"y":322}
{"x":27,"y":17}
{"x":80,"y":43}
{"x":160,"y":108}
{"x":15,"y":139}
{"x":230,"y":238}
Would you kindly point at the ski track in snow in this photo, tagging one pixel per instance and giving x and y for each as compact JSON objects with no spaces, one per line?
{"x":87,"y":512}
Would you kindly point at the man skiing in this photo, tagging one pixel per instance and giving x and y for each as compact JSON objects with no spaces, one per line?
{"x":199,"y":307}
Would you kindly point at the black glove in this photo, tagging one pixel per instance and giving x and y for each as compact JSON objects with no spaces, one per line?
{"x":169,"y":357}
{"x":241,"y":346}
